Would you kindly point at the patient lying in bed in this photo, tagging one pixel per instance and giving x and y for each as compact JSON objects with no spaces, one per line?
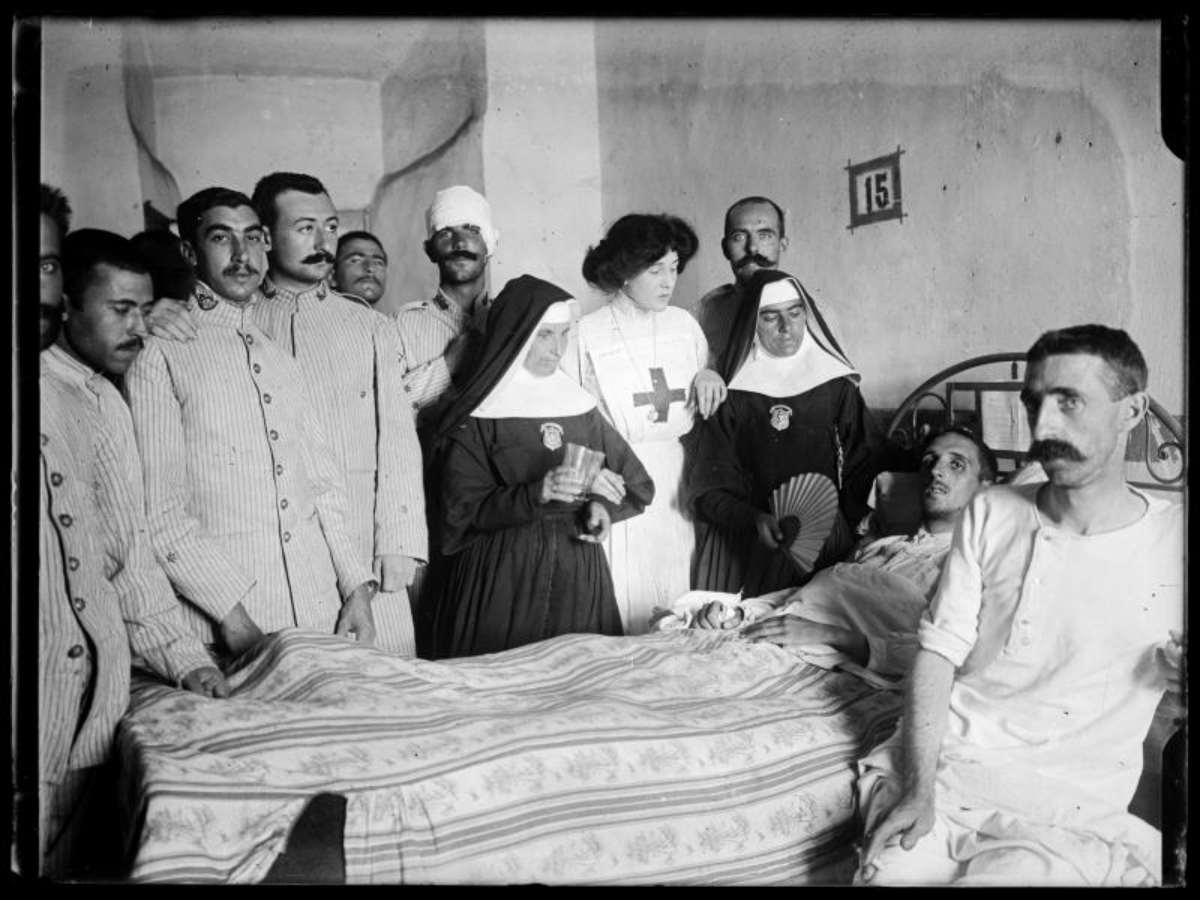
{"x":862,"y":615}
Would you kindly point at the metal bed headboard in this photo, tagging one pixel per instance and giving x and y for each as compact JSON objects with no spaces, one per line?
{"x":1158,"y":443}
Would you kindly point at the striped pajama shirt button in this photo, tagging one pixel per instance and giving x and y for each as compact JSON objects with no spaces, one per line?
{"x":56,"y":479}
{"x":65,"y":520}
{"x":76,"y":651}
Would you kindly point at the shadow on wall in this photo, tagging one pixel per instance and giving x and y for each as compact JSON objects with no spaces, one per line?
{"x":432,"y":109}
{"x":383,"y":129}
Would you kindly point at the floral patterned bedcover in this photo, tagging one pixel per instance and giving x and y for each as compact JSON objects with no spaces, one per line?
{"x":681,"y":757}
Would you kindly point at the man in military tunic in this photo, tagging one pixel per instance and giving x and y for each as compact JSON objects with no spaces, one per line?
{"x":351,"y":360}
{"x":245,"y":500}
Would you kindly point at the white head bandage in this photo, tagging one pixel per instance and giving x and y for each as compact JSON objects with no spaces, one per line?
{"x":461,"y":205}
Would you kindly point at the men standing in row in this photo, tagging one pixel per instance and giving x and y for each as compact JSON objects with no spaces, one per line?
{"x":438,"y":335}
{"x":360,"y":268}
{"x":1055,"y":630}
{"x":245,"y":499}
{"x":350,"y":357}
{"x":104,"y":604}
{"x":754,"y":238}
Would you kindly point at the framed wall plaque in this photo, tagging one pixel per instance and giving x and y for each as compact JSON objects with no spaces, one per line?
{"x":875,"y":190}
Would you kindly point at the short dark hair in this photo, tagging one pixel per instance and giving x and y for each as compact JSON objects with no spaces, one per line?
{"x":271,"y":186}
{"x":192,"y":210}
{"x":746,"y":201}
{"x":169,"y":269}
{"x":87,"y":248}
{"x":56,"y":206}
{"x":360,"y":236}
{"x":633,"y":244}
{"x":1112,"y":345}
{"x":989,"y":467}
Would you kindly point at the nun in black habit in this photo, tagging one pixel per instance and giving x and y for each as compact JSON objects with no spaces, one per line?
{"x":521,"y":536}
{"x":793,"y":407}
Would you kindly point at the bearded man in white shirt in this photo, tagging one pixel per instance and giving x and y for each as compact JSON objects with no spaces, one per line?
{"x":1054,"y":634}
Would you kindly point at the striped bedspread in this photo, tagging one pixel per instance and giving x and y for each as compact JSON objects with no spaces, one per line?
{"x":683,"y":757}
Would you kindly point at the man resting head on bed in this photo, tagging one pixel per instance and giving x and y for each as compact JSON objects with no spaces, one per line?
{"x":866,"y":610}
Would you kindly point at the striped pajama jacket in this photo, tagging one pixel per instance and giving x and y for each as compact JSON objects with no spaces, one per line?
{"x":350,"y":357}
{"x":103,"y":601}
{"x":245,"y":500}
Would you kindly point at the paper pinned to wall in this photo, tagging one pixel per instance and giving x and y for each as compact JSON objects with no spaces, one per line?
{"x":1003,"y":418}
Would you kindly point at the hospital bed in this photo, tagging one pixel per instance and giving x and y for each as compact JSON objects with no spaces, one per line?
{"x":983,"y":393}
{"x":681,"y":757}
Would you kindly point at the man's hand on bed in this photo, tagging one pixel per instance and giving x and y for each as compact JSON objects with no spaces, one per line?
{"x":909,"y":815}
{"x":356,"y":617}
{"x":769,"y":531}
{"x":239,"y":631}
{"x":791,"y":630}
{"x":596,"y":522}
{"x":206,"y":680}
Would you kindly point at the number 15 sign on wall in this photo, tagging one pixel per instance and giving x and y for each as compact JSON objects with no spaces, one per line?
{"x":875,"y":190}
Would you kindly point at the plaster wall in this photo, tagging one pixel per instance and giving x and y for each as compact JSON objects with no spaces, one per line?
{"x":1037,"y":190}
{"x":227,"y":129}
{"x":541,"y":161}
{"x":88,"y":148}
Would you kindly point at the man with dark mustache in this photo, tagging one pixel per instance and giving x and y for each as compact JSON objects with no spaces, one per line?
{"x":869,"y":607}
{"x":104,"y":604}
{"x":244,"y":497}
{"x":439,"y":336}
{"x":754,"y":239}
{"x":1055,"y":632}
{"x":360,"y":268}
{"x":352,"y":361}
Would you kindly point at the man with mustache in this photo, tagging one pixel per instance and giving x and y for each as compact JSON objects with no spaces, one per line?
{"x":439,"y":337}
{"x":245,"y":500}
{"x":1054,"y":634}
{"x":754,"y":239}
{"x":104,"y":604}
{"x":351,"y":359}
{"x":360,"y":268}
{"x":869,"y":607}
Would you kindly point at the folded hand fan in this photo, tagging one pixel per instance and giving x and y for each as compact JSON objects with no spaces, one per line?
{"x":806,"y":507}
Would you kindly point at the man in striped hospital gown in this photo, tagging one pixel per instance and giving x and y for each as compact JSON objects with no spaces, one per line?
{"x":103,"y":602}
{"x":351,"y":358}
{"x":245,"y":499}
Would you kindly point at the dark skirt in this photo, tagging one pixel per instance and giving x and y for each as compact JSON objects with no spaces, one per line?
{"x":524,"y":584}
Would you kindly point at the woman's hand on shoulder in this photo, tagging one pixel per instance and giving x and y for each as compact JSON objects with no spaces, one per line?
{"x":708,"y":392}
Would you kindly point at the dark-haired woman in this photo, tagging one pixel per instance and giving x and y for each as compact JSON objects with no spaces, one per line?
{"x":644,"y":361}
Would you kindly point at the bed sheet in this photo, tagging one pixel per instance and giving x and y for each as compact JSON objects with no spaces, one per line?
{"x":683,"y":757}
